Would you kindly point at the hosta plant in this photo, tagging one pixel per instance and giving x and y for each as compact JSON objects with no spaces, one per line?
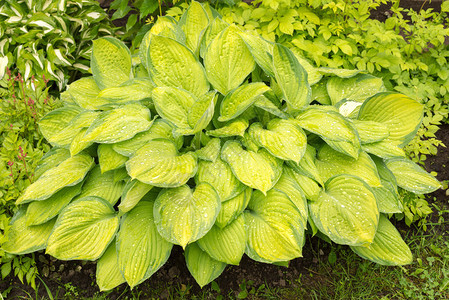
{"x":224,"y":144}
{"x":50,"y":38}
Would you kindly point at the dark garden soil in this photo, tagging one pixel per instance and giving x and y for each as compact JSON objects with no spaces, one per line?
{"x":76,"y":279}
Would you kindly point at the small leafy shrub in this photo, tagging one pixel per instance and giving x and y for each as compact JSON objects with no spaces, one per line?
{"x":22,"y":105}
{"x":223,"y":143}
{"x":50,"y":38}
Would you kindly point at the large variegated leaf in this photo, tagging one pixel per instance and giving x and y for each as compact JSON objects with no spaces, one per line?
{"x":56,"y":120}
{"x":78,"y":144}
{"x":307,"y":165}
{"x":411,"y":177}
{"x":357,"y":88}
{"x":102,"y":185}
{"x":133,"y":192}
{"x":85,"y":93}
{"x":282,"y":138}
{"x":274,"y":228}
{"x":331,"y":163}
{"x":401,"y":114}
{"x":342,"y":73}
{"x":67,"y":173}
{"x":210,"y":152}
{"x":219,"y":175}
{"x":164,"y":26}
{"x":238,"y":100}
{"x":173,"y":64}
{"x":233,"y":128}
{"x":39,"y":212}
{"x":308,"y":186}
{"x":216,"y":26}
{"x":346,"y":211}
{"x":227,"y":60}
{"x":232,"y":208}
{"x":331,"y":126}
{"x":183,"y":216}
{"x":141,"y":250}
{"x":50,"y":160}
{"x":202,"y":267}
{"x":65,"y":137}
{"x":158,"y":163}
{"x":291,"y":78}
{"x":119,"y":124}
{"x":264,"y":103}
{"x":110,"y":62}
{"x":288,"y":185}
{"x":193,"y":22}
{"x":173,"y":104}
{"x":313,"y":75}
{"x":202,"y":112}
{"x":226,"y":244}
{"x":132,"y":90}
{"x":83,"y":230}
{"x":386,"y":149}
{"x":261,"y":51}
{"x":159,"y":129}
{"x":387,"y":198}
{"x":108,"y":159}
{"x":108,"y":274}
{"x":370,"y":131}
{"x":259,"y":170}
{"x":23,"y":239}
{"x":388,"y":248}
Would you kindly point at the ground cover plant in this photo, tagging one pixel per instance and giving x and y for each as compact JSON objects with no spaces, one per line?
{"x":50,"y":38}
{"x":22,"y":105}
{"x":215,"y":142}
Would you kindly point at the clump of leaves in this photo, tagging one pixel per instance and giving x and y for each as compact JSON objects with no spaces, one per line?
{"x":222,"y":143}
{"x":22,"y":105}
{"x":50,"y":38}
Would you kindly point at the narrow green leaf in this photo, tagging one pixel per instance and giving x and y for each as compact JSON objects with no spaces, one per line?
{"x":108,"y":274}
{"x":233,"y":128}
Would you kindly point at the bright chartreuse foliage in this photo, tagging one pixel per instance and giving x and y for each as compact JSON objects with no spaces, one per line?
{"x":222,"y":146}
